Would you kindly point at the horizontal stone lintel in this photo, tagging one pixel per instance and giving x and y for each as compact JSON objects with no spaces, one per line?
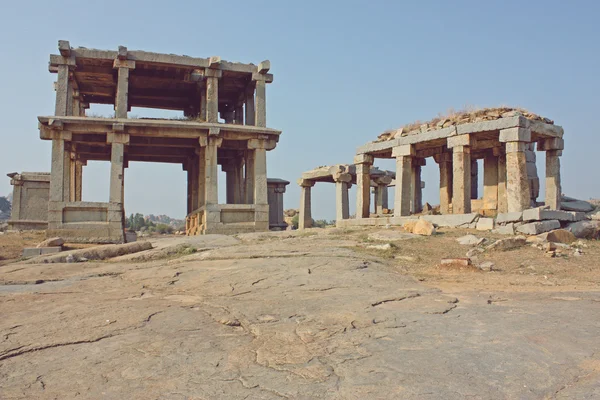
{"x":537,"y":127}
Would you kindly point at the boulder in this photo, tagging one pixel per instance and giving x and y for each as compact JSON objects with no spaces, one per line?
{"x":52,"y":242}
{"x":535,"y":228}
{"x":470,"y":240}
{"x":558,"y":236}
{"x":585,"y":229}
{"x":424,"y":228}
{"x":409,"y":225}
{"x":486,"y":266}
{"x":576,"y":205}
{"x":508,"y":243}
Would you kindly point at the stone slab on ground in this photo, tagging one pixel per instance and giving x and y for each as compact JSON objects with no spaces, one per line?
{"x":30,"y":252}
{"x":508,"y":229}
{"x":451,"y":220}
{"x":577,"y":205}
{"x":510,"y":243}
{"x":535,"y":228}
{"x":470,"y":240}
{"x":540,"y":214}
{"x":504,"y":218}
{"x":391,"y":235}
{"x":93,"y":253}
{"x":52,"y":242}
{"x":485,"y":224}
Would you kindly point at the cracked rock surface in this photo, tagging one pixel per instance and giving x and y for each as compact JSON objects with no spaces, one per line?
{"x":285,"y":315}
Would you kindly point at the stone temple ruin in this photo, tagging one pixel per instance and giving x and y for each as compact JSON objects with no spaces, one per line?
{"x":204,"y":89}
{"x":505,"y":139}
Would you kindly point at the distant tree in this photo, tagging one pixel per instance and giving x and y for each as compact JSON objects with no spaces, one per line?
{"x":295,"y":220}
{"x":5,"y":205}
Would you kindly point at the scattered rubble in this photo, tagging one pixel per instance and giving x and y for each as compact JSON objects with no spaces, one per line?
{"x":508,"y":243}
{"x":52,"y":242}
{"x":470,"y":240}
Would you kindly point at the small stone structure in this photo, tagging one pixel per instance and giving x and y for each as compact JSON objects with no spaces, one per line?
{"x":276,"y":189}
{"x":205,"y":89}
{"x":501,"y":137}
{"x":344,"y":176}
{"x":31,"y":191}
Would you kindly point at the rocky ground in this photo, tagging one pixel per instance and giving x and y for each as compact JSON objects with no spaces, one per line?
{"x":318,"y":314}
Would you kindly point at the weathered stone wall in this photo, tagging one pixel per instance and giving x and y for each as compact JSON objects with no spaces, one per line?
{"x":31,"y":191}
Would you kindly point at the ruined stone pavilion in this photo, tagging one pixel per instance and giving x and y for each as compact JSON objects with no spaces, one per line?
{"x":505,"y":139}
{"x":224,"y":105}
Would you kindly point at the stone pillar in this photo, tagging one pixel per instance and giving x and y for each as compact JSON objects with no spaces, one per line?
{"x":68,"y":190}
{"x":57,"y":170}
{"x":260,"y":170}
{"x":64,"y":90}
{"x":122,"y":93}
{"x":79,"y":179}
{"x":342,"y":179}
{"x":276,"y":188}
{"x":202,"y":98}
{"x":200,"y":175}
{"x":490,"y":182}
{"x":553,"y":148}
{"x":532,"y":175}
{"x":517,"y":181}
{"x":260,"y":78}
{"x":444,"y":161}
{"x":553,"y":189}
{"x":188,"y":168}
{"x":474,"y":180}
{"x":404,"y":159}
{"x":250,"y":109}
{"x":239,"y":115}
{"x":212,"y":94}
{"x":212,"y":171}
{"x":461,"y":173}
{"x":363,"y":164}
{"x":117,"y":143}
{"x":249,"y":176}
{"x":502,"y":200}
{"x":417,"y":193}
{"x":381,"y":193}
{"x":305,"y":217}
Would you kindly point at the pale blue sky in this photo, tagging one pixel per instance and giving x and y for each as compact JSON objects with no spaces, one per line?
{"x":344,"y":72}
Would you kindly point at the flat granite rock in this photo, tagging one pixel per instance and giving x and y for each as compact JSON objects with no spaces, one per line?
{"x":535,"y":228}
{"x":451,"y":220}
{"x":577,"y":205}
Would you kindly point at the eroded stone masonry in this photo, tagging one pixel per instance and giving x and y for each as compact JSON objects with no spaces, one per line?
{"x":505,"y":139}
{"x":225,"y":124}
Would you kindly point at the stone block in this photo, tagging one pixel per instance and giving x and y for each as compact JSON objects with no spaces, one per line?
{"x":558,"y":236}
{"x":52,"y":242}
{"x":451,"y":220}
{"x":508,"y":229}
{"x":515,"y":135}
{"x":535,"y":228}
{"x":577,"y":205}
{"x":579,"y":216}
{"x":541,"y":213}
{"x":585,"y":229}
{"x":29,"y":252}
{"x":504,"y":218}
{"x":508,"y":243}
{"x":485,"y":224}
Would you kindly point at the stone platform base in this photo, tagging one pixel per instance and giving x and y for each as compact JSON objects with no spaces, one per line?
{"x":27,"y":225}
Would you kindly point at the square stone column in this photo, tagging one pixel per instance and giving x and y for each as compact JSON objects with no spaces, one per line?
{"x":117,"y":165}
{"x":260,"y":170}
{"x":381,"y":193}
{"x":212,"y":171}
{"x":404,"y":160}
{"x":60,"y":168}
{"x":502,"y":199}
{"x":250,"y":110}
{"x":342,"y":207}
{"x":249,"y":179}
{"x":517,"y":181}
{"x":305,"y":216}
{"x":68,"y":194}
{"x":553,"y":148}
{"x":122,"y":93}
{"x":461,"y":173}
{"x":79,"y":178}
{"x":363,"y":164}
{"x":474,"y":180}
{"x":444,"y":161}
{"x":490,"y":182}
{"x":212,"y":94}
{"x":230,"y":182}
{"x":64,"y":89}
{"x":417,"y":193}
